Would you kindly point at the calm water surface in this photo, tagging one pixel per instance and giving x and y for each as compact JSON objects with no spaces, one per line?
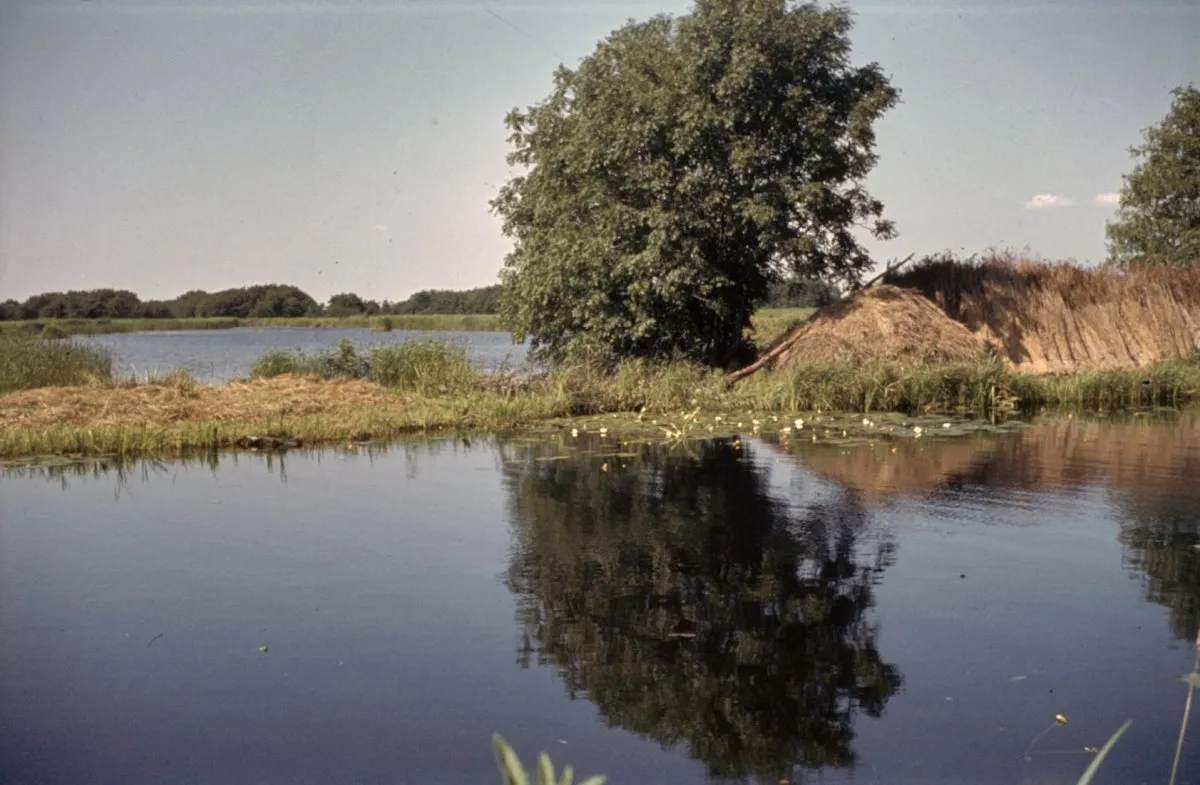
{"x":662,"y":615}
{"x":216,"y":356}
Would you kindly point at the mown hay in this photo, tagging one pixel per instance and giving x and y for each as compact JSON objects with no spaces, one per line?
{"x":1054,"y":318}
{"x":883,"y":322}
{"x":179,"y":399}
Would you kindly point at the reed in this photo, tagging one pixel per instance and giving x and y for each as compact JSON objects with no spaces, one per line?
{"x":28,"y":362}
{"x":380,"y":393}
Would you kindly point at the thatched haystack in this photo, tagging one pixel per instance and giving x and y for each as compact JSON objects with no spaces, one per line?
{"x":1052,"y":318}
{"x":882,"y":322}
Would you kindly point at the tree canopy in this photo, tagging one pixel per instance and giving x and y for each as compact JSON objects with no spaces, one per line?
{"x":1159,"y":217}
{"x":683,"y":167}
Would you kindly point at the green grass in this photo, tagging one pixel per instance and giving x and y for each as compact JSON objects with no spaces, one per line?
{"x":28,"y":362}
{"x":427,"y":367}
{"x":441,"y":391}
{"x":771,"y":323}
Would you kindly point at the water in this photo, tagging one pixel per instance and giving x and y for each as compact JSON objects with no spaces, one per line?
{"x":216,"y":356}
{"x":670,"y":614}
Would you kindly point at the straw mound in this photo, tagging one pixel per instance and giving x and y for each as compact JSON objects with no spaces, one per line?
{"x":181,"y":399}
{"x":1053,"y":318}
{"x":883,"y":322}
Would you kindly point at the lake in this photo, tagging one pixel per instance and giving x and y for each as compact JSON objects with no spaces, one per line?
{"x":658,"y":613}
{"x":216,"y":356}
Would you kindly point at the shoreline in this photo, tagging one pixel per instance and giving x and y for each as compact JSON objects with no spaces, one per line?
{"x":176,"y":414}
{"x":414,"y":322}
{"x":768,"y":321}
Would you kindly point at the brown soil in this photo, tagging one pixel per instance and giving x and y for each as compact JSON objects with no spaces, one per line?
{"x":1053,"y":318}
{"x":178,"y":399}
{"x":883,"y":322}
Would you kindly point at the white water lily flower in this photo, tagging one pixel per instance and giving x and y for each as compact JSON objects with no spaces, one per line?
{"x":574,"y":431}
{"x":945,"y":425}
{"x":799,"y":424}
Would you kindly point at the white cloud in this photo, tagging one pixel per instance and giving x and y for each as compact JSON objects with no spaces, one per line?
{"x":380,"y":227}
{"x":1109,"y":199}
{"x":1048,"y":201}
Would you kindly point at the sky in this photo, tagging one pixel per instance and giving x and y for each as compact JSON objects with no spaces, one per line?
{"x":349,"y":145}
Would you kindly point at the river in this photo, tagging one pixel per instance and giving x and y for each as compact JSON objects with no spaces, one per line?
{"x":656,"y":613}
{"x":216,"y":356}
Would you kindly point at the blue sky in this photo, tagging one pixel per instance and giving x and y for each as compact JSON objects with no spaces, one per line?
{"x":353,"y":146}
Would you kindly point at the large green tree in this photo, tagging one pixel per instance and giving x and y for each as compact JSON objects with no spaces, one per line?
{"x":679,"y":170}
{"x":1159,"y":218}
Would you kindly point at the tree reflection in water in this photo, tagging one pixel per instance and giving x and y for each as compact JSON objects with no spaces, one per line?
{"x":692,"y":607}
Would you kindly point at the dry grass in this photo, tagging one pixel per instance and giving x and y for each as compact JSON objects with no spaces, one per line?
{"x":178,"y":398}
{"x":1052,"y":318}
{"x":883,"y":322}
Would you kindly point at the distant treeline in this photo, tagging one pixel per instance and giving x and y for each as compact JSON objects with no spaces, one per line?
{"x":270,"y":300}
{"x":276,"y":300}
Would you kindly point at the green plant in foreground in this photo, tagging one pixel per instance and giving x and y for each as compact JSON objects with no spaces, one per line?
{"x":514,"y":773}
{"x":1094,"y":766}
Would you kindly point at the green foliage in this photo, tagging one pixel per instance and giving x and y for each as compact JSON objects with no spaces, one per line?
{"x":350,"y":304}
{"x":485,"y":299}
{"x":254,"y":302}
{"x":800,"y":293}
{"x":1159,"y":218}
{"x":27,"y":362}
{"x":429,"y":367}
{"x":513,"y":773}
{"x":679,"y":170}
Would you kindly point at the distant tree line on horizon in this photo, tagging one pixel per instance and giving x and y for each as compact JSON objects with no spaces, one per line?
{"x":277,"y":300}
{"x":249,"y":302}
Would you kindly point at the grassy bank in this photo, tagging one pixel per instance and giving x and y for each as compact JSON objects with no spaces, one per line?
{"x":351,"y":396}
{"x":29,"y":362}
{"x":768,"y":323}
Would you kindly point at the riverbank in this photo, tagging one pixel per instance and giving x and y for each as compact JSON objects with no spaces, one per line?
{"x":176,"y":414}
{"x":768,"y":323}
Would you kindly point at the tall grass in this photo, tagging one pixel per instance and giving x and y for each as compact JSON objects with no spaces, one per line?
{"x":440,"y":390}
{"x":427,"y":367}
{"x":27,"y":362}
{"x":978,"y":388}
